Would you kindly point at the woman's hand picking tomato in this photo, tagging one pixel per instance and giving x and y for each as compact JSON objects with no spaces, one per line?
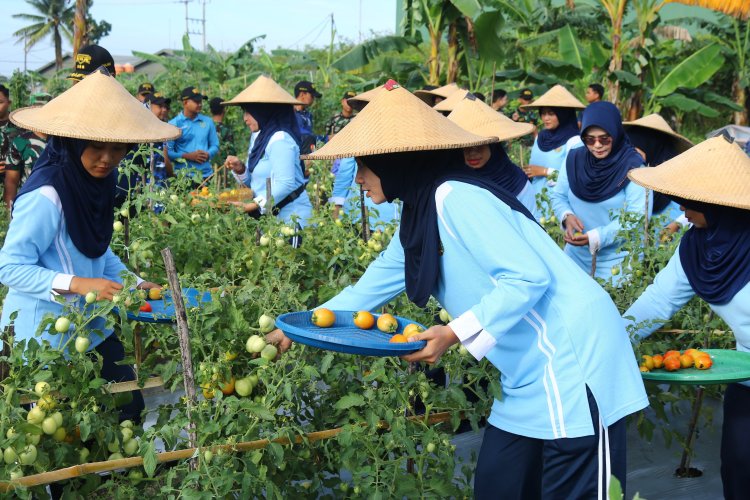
{"x":439,"y":339}
{"x":280,"y":340}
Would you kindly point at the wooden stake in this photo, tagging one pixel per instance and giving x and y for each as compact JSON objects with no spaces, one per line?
{"x":269,"y":197}
{"x":645,"y":225}
{"x":184,"y":336}
{"x":365,"y":216}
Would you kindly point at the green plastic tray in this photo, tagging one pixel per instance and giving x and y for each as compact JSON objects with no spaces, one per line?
{"x":729,"y":366}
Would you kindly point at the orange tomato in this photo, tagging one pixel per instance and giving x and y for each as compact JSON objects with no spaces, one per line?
{"x":412,"y":329}
{"x":686,"y":361}
{"x":644,"y":369}
{"x":228,"y":387}
{"x":323,"y":317}
{"x":208,"y":391}
{"x":658,"y":360}
{"x":648,"y":362}
{"x":671,"y":353}
{"x":398,"y":339}
{"x":703,"y":361}
{"x":672,"y":363}
{"x":387,"y":323}
{"x":693,"y":352}
{"x":364,"y":320}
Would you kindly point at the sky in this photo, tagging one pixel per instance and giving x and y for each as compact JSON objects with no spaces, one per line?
{"x":151,"y":25}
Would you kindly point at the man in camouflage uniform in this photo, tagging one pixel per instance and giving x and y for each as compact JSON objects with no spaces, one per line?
{"x":22,"y":154}
{"x":227,"y":146}
{"x":8,"y":132}
{"x":528,"y":116}
{"x":339,"y":120}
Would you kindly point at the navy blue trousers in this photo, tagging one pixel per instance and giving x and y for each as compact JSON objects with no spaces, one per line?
{"x":735,"y":443}
{"x":112,"y":351}
{"x":518,"y":467}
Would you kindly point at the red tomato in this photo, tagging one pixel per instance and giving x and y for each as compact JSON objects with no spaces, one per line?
{"x":146,"y":308}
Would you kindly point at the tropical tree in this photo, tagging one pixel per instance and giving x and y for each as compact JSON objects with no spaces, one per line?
{"x":51,"y":18}
{"x":79,"y":34}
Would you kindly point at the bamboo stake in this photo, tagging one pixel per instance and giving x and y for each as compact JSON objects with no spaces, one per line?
{"x":172,"y":456}
{"x":593,"y":264}
{"x":269,"y":197}
{"x":205,"y":181}
{"x":184,"y":336}
{"x":645,"y":225}
{"x":365,"y":216}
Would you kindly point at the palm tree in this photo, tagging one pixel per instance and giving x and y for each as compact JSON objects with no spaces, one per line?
{"x":53,"y":18}
{"x":80,"y":34}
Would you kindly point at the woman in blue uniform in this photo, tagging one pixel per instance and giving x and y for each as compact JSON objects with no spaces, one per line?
{"x":657,"y":142}
{"x":557,"y":110}
{"x":593,"y":188}
{"x":62,"y":220}
{"x":558,"y":429}
{"x":273,"y":153}
{"x":491,"y":160}
{"x":713,"y":262}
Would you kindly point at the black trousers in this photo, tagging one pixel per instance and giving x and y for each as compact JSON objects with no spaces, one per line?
{"x":735,"y":443}
{"x":518,"y":467}
{"x":112,"y":351}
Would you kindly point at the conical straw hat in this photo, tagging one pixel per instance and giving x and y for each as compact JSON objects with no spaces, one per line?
{"x":556,"y":97}
{"x":396,"y":121}
{"x":449,"y":103}
{"x":444,"y":92}
{"x":715,"y":171}
{"x":98,"y":108}
{"x":654,"y":121}
{"x":359,"y":101}
{"x":262,"y":90}
{"x":475,"y":116}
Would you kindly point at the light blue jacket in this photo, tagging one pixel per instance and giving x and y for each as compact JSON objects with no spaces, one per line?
{"x":39,"y":256}
{"x":281,"y":163}
{"x":198,"y":133}
{"x":601,"y":222}
{"x":344,"y":189}
{"x":553,"y":160}
{"x":549,"y":328}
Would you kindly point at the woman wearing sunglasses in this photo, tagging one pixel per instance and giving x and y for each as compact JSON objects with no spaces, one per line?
{"x":593,"y":189}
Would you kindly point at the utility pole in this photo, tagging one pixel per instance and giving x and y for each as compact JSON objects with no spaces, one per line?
{"x":200,"y":21}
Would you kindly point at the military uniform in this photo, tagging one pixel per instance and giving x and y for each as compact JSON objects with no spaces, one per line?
{"x":8,"y":132}
{"x":336,"y":123}
{"x":23,"y":153}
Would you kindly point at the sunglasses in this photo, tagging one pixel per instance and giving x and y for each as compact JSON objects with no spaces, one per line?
{"x":604,"y":140}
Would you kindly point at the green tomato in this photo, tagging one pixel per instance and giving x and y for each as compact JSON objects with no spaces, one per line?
{"x":33,"y":438}
{"x":41,"y":388}
{"x":115,"y":456}
{"x":207,"y":456}
{"x":269,"y":352}
{"x":444,"y":316}
{"x":131,"y":447}
{"x":11,"y":433}
{"x":615,"y":271}
{"x":58,"y":418}
{"x":127,"y":423}
{"x":113,"y":446}
{"x":127,"y":434}
{"x":91,"y":297}
{"x":60,"y":434}
{"x":35,"y":416}
{"x":118,"y":226}
{"x":16,"y":474}
{"x":49,"y":426}
{"x":265,"y":241}
{"x":62,"y":324}
{"x":430,"y":447}
{"x":255,"y":344}
{"x":174,"y":198}
{"x":83,"y":455}
{"x":10,"y":456}
{"x":243,"y":387}
{"x":28,"y":455}
{"x":82,"y":344}
{"x":124,"y":212}
{"x":266,"y":323}
{"x":254,"y":379}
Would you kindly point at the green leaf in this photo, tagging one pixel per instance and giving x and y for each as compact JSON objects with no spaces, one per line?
{"x":692,"y":72}
{"x":361,"y":55}
{"x":712,"y":97}
{"x":97,"y":383}
{"x":628,"y":78}
{"x":349,"y":401}
{"x":488,"y":31}
{"x":469,"y":8}
{"x":615,"y":489}
{"x":570,"y":51}
{"x":685,"y":104}
{"x":326,"y":363}
{"x":149,"y":458}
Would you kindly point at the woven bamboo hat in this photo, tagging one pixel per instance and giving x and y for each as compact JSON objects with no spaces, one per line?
{"x":449,"y":103}
{"x":654,"y":121}
{"x":715,"y":171}
{"x":475,"y":116}
{"x":556,"y":97}
{"x":359,"y":101}
{"x":98,"y":108}
{"x":394,"y":122}
{"x":445,"y":91}
{"x":262,"y":90}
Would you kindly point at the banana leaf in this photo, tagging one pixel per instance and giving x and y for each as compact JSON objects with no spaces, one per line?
{"x":363,"y":54}
{"x":688,"y":105}
{"x":692,"y":72}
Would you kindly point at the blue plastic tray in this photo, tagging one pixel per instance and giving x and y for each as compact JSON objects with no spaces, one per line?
{"x":163,"y":309}
{"x":344,"y":336}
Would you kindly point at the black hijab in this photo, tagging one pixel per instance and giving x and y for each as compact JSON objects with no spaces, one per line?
{"x":716,"y":259}
{"x":271,"y":118}
{"x":597,"y":180}
{"x":567,"y":127}
{"x":87,"y":202}
{"x":413,"y":178}
{"x":501,"y":170}
{"x":658,"y":147}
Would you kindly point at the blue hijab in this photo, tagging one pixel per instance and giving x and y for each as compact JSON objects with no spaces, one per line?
{"x":716,"y":259}
{"x":547,"y":140}
{"x":597,"y":180}
{"x":87,"y":202}
{"x":658,"y":147}
{"x":501,"y":170}
{"x":271,"y":118}
{"x":413,"y":178}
